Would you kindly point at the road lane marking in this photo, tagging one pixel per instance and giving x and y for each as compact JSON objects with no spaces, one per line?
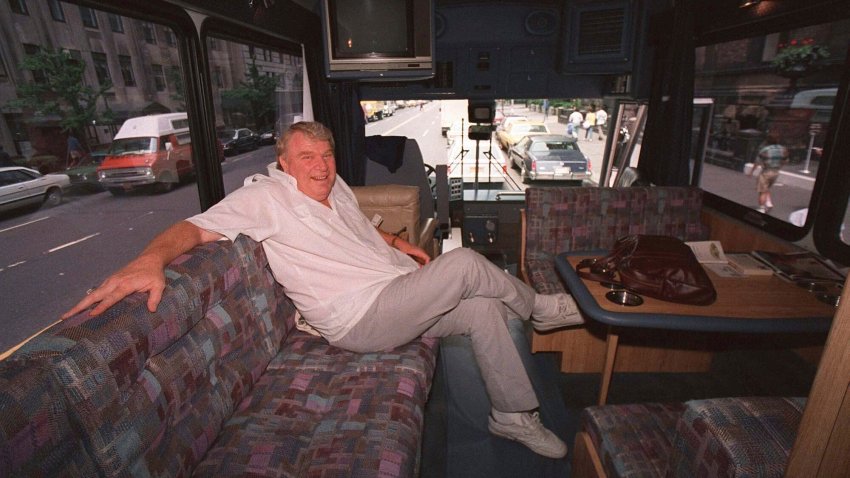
{"x":12,"y":265}
{"x":63,"y":246}
{"x":24,"y":224}
{"x":402,"y":124}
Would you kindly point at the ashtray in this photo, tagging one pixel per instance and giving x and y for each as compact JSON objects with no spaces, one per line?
{"x":624,"y":297}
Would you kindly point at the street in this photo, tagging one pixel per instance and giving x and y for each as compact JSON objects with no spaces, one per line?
{"x":51,"y":257}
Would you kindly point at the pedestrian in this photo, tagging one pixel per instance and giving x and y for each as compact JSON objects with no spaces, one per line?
{"x":5,"y":159}
{"x":601,"y":119}
{"x":770,"y":158}
{"x":576,"y":119}
{"x":363,"y":289}
{"x":589,"y":124}
{"x":75,"y":150}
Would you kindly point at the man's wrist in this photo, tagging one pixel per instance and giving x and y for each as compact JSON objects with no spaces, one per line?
{"x":392,"y":243}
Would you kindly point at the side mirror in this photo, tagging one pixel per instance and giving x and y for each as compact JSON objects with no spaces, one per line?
{"x":168,"y":146}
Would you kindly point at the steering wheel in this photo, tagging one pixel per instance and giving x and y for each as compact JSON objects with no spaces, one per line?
{"x":431,"y":175}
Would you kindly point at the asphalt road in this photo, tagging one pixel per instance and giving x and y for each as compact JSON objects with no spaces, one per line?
{"x":50,"y":257}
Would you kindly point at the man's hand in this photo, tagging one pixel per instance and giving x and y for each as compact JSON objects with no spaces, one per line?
{"x":140,"y":275}
{"x":417,"y":253}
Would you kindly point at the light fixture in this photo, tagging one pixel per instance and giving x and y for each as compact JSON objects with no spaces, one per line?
{"x":748,"y":3}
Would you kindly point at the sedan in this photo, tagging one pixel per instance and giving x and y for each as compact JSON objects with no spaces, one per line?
{"x":515,"y":131}
{"x":83,"y":174}
{"x":237,"y":141}
{"x":550,"y":156}
{"x":21,"y":187}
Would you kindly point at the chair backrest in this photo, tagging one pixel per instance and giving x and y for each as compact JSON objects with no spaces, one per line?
{"x":629,"y":176}
{"x":398,"y":206}
{"x":410,"y":173}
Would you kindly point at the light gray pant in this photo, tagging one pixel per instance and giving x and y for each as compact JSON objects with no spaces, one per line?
{"x":458,"y":293}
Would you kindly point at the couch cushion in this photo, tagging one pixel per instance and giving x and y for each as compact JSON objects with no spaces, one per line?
{"x":633,"y":440}
{"x":736,"y":437}
{"x":150,"y":391}
{"x":323,"y":411}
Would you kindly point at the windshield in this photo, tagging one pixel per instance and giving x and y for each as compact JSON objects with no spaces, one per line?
{"x":226,"y":134}
{"x":132,"y":146}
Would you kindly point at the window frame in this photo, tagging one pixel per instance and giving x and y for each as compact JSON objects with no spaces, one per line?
{"x":88,"y":17}
{"x":19,"y":7}
{"x":125,"y":63}
{"x":57,"y":13}
{"x":101,"y":70}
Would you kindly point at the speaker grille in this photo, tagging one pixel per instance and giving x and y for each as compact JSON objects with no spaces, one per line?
{"x":601,"y":31}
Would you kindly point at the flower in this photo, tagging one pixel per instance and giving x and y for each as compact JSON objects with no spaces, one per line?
{"x":798,"y":55}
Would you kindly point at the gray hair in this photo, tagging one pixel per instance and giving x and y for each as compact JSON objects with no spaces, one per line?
{"x":312,"y":129}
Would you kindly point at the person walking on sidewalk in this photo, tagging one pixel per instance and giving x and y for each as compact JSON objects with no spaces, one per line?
{"x":589,"y":123}
{"x":575,"y":120}
{"x":771,"y":158}
{"x":601,"y":119}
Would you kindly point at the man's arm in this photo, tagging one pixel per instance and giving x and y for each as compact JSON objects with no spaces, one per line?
{"x":145,"y":273}
{"x":418,"y":254}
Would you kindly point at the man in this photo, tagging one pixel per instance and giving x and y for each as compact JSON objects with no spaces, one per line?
{"x":589,"y":124}
{"x":771,"y":158}
{"x":575,"y":119}
{"x":601,"y":119}
{"x":361,"y":287}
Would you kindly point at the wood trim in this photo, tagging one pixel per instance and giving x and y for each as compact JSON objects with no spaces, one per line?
{"x":737,"y":236}
{"x":586,"y":462}
{"x":824,"y":434}
{"x":611,"y":342}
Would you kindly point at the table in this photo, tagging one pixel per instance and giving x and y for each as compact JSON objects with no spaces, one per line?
{"x":752,"y":304}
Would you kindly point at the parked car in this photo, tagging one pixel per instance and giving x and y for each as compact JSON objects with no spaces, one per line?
{"x":268,"y":136}
{"x":238,"y":140}
{"x":20,"y":187}
{"x":504,"y":121}
{"x":515,"y":131}
{"x":549,"y":156}
{"x":83,"y":174}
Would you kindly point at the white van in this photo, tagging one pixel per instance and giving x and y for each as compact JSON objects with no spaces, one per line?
{"x":148,"y":150}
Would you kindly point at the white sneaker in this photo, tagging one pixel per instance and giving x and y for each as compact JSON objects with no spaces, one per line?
{"x":554,"y":311}
{"x":526,"y":428}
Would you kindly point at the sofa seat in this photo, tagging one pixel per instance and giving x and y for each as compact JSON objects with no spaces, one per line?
{"x":322,"y":411}
{"x":734,"y":437}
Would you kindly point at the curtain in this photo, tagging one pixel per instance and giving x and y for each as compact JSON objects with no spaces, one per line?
{"x":337,"y":105}
{"x":666,"y":147}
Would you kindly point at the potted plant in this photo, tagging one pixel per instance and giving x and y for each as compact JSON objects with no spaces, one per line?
{"x":798,"y":58}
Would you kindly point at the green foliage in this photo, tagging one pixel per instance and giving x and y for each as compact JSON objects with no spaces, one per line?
{"x":258,"y":92}
{"x":799,"y":55}
{"x":60,"y":90}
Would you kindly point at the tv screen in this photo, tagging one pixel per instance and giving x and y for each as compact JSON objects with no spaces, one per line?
{"x":371,"y":28}
{"x":378,"y":39}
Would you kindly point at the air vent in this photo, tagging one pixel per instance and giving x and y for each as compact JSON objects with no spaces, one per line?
{"x":601,"y":32}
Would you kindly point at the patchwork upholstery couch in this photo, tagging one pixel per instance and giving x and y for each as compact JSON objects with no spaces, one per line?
{"x":217,"y":382}
{"x":734,"y":437}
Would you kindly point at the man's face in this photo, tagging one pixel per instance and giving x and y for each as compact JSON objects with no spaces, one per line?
{"x":311,"y":163}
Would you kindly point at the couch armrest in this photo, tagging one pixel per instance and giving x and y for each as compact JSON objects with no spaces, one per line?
{"x":427,"y":239}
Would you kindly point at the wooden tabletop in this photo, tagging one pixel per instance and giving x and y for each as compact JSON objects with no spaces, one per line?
{"x":765,"y":299}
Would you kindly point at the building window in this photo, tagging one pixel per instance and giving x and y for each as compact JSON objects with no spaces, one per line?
{"x":158,"y":77}
{"x":38,"y":76}
{"x":170,"y":37}
{"x":4,"y":74}
{"x":88,"y":16}
{"x":56,"y":10}
{"x":101,"y":68}
{"x":115,"y":23}
{"x":127,"y":70}
{"x":19,"y":6}
{"x":149,"y":33}
{"x":213,"y":43}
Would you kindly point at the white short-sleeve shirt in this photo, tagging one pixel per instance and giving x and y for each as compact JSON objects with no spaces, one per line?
{"x":331,"y":262}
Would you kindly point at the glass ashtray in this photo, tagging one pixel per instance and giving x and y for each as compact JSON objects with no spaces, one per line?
{"x":624,"y":297}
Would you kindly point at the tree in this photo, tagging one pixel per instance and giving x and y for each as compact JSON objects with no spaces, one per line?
{"x":59,"y":89}
{"x":258,"y":92}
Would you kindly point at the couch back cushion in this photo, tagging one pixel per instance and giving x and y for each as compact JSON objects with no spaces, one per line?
{"x":149,"y":392}
{"x":582,"y":219}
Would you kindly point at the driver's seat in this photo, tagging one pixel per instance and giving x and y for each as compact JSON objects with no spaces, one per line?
{"x":411,"y":172}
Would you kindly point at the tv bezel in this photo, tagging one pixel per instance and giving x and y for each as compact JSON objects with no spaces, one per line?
{"x":376,"y":66}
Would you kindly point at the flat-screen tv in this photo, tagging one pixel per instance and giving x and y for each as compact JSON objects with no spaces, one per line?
{"x":378,"y":39}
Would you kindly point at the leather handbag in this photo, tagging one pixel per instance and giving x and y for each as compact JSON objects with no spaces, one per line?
{"x":661,"y":267}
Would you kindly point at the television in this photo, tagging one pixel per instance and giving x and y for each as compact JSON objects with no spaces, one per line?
{"x":378,"y":39}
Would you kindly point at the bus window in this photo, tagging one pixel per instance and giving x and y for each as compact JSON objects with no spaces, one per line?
{"x":118,"y":189}
{"x":773,"y":98}
{"x":257,"y":93}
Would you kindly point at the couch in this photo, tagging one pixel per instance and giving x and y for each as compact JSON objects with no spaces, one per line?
{"x":217,"y":382}
{"x":735,"y":437}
